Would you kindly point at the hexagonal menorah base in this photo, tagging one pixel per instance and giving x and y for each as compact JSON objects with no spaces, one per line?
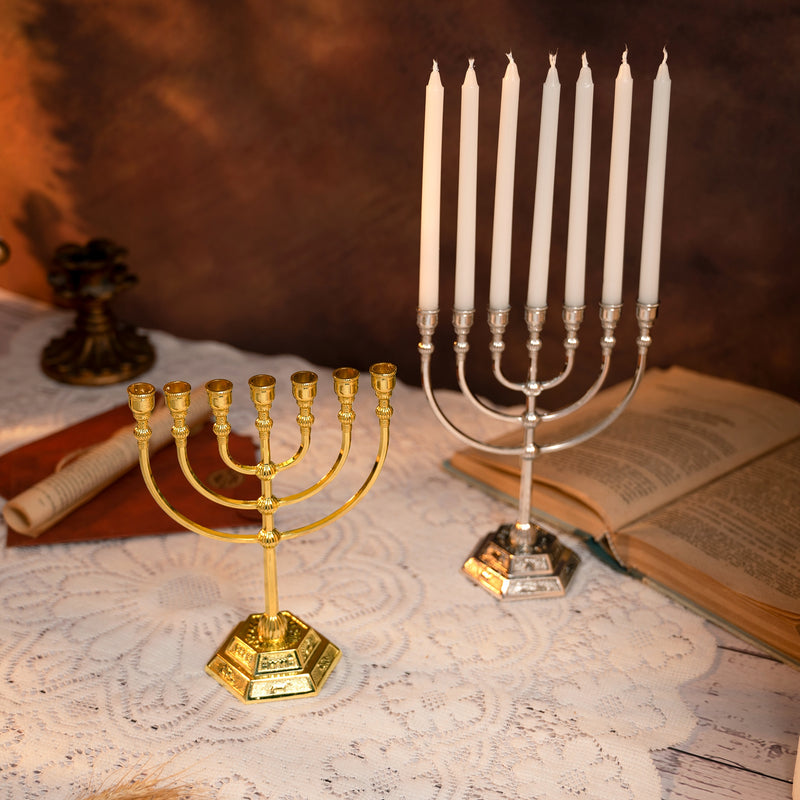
{"x":542,"y":570}
{"x":254,"y":670}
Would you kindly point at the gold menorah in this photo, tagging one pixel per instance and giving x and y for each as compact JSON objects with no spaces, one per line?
{"x":274,"y":654}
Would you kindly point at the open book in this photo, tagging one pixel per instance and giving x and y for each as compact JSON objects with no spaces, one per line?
{"x":696,"y":488}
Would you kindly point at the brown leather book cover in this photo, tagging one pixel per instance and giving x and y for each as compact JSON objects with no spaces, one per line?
{"x":126,"y":508}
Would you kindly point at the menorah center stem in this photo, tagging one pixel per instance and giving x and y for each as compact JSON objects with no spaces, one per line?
{"x":271,"y":628}
{"x":269,"y":542}
{"x":521,"y":537}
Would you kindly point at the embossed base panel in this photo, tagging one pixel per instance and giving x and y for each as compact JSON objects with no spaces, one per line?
{"x":255,"y":671}
{"x":545,"y":570}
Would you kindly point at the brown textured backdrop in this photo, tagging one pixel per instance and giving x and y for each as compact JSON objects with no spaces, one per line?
{"x":261,"y":162}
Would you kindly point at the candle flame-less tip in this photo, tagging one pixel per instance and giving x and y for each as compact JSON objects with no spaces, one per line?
{"x":471,"y":63}
{"x":510,"y":58}
{"x":665,"y":55}
{"x":435,"y":65}
{"x":553,"y":59}
{"x":584,"y":62}
{"x":625,"y":55}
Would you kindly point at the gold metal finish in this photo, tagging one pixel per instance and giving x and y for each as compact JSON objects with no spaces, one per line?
{"x":294,"y":663}
{"x":274,"y":654}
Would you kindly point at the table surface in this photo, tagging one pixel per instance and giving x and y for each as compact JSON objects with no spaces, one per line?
{"x":612,"y":692}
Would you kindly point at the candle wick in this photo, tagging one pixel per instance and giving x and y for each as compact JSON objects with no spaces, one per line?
{"x":625,"y":55}
{"x":435,"y":65}
{"x":553,"y":58}
{"x":584,"y":62}
{"x":510,"y":58}
{"x":472,"y":63}
{"x":665,"y":55}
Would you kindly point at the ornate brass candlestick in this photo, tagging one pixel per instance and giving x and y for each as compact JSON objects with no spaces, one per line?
{"x":98,"y":349}
{"x":273,"y":654}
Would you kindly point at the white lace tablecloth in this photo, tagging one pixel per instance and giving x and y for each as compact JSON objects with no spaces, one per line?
{"x":441,"y":692}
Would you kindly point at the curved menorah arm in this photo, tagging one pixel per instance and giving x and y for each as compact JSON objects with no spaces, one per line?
{"x":220,"y":394}
{"x":177,"y":395}
{"x":609,"y":317}
{"x":585,"y":398}
{"x":141,"y":399}
{"x":496,"y":413}
{"x":341,"y":457}
{"x":462,"y":323}
{"x":572,"y":317}
{"x":605,"y":422}
{"x":566,"y":371}
{"x":304,"y":389}
{"x":345,"y":384}
{"x":223,"y":447}
{"x":534,"y":318}
{"x":383,"y":382}
{"x":646,"y":315}
{"x":426,"y":322}
{"x":457,"y":432}
{"x":302,"y":449}
{"x":262,"y":393}
{"x":201,"y":488}
{"x":497,"y":319}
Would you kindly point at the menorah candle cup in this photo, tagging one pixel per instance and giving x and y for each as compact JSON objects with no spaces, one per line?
{"x":384,"y":377}
{"x":142,"y":398}
{"x":304,"y":387}
{"x":345,"y":382}
{"x":177,"y":395}
{"x":220,"y":395}
{"x":262,"y":390}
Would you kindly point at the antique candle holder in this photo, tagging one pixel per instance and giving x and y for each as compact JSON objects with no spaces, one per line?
{"x":273,"y":654}
{"x":525,"y":559}
{"x":98,"y":349}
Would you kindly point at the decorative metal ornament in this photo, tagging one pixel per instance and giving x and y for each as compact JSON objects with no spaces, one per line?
{"x":98,"y":350}
{"x":525,"y":559}
{"x":274,"y":654}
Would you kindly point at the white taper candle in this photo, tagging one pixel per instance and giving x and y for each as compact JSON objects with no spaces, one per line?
{"x":545,"y":184}
{"x":579,"y":187}
{"x":467,"y":193}
{"x":618,"y":185}
{"x":504,"y":189}
{"x":431,"y":194}
{"x":654,"y":189}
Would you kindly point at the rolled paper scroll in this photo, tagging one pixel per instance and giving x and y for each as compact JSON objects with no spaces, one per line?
{"x":81,"y":478}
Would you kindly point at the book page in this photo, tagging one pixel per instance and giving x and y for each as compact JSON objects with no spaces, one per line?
{"x":681,"y":430}
{"x":742,"y":530}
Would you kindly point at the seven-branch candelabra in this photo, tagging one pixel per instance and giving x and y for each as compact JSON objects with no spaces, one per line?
{"x":524,"y":558}
{"x":273,"y":654}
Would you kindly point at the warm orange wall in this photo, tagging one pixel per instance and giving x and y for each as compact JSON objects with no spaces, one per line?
{"x":32,"y":160}
{"x":261,"y":162}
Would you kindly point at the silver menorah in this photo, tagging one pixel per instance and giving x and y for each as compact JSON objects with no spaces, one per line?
{"x":525,"y":558}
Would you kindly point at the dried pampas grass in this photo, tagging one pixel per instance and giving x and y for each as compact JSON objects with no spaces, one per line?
{"x":134,"y":785}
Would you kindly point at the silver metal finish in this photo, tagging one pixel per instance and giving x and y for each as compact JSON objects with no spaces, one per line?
{"x":524,"y":559}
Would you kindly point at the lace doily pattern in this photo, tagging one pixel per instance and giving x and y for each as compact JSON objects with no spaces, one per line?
{"x":442,"y":691}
